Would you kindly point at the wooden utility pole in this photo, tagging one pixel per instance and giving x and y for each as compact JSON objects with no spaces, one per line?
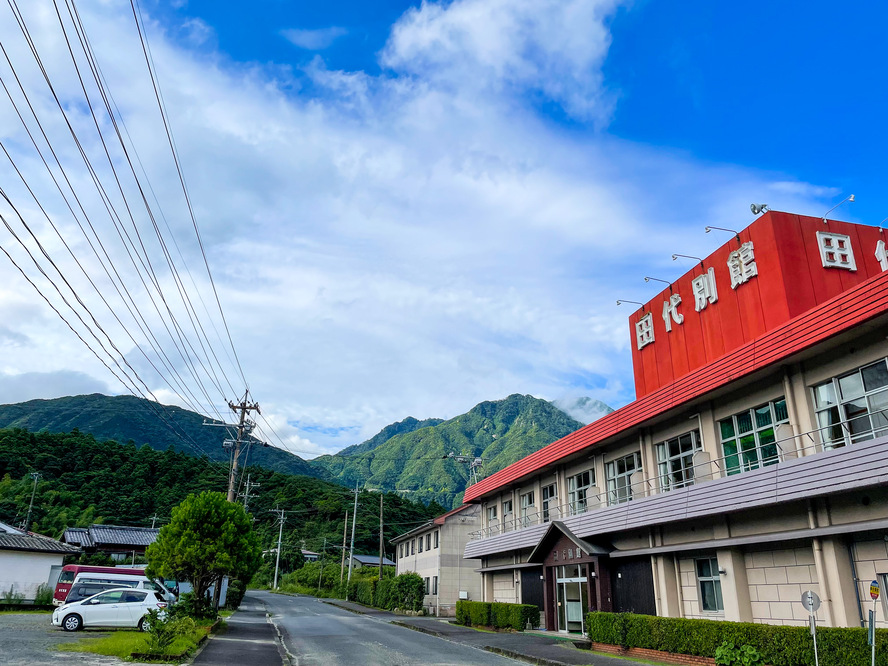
{"x":381,"y":495}
{"x":351,"y":550}
{"x":244,"y":408}
{"x":344,"y":536}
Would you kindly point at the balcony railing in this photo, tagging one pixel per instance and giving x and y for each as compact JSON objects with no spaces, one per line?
{"x":706,"y":470}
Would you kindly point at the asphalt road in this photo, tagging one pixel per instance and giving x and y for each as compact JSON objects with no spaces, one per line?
{"x":317,"y":634}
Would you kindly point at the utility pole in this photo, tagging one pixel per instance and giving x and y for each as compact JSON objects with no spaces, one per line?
{"x":153,"y":520}
{"x":344,"y":536}
{"x":381,"y":495}
{"x":27,"y":524}
{"x":246,"y":494}
{"x":321,"y":572}
{"x":244,"y":408}
{"x":351,"y":550}
{"x":277,"y":562}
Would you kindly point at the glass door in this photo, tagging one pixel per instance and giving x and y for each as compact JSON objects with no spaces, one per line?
{"x":572,"y":597}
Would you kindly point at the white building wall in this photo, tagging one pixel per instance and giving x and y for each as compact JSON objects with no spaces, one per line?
{"x":24,"y":572}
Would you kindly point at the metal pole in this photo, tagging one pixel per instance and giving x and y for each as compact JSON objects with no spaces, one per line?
{"x":27,"y":523}
{"x":321,"y":573}
{"x":814,"y":632}
{"x":873,"y":630}
{"x":351,"y":550}
{"x":277,"y":563}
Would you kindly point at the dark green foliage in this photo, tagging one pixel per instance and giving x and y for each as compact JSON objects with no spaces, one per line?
{"x":363,"y":591}
{"x":496,"y":614}
{"x":401,"y":427}
{"x":501,"y":432}
{"x":85,"y":481}
{"x":164,"y":628}
{"x":43,"y":596}
{"x":728,"y":654}
{"x":386,"y":593}
{"x":190,"y":605}
{"x":776,"y":645}
{"x":125,"y":418}
{"x":237,"y":588}
{"x":409,"y":591}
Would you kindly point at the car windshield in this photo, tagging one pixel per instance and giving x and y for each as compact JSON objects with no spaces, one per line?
{"x":67,"y":577}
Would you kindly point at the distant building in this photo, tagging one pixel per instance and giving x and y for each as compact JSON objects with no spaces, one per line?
{"x":311,"y":556}
{"x":28,"y":560}
{"x":372,"y":561}
{"x":118,"y":541}
{"x":434,"y":550}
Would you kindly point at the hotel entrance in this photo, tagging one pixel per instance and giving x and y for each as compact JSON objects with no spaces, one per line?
{"x":572,"y":593}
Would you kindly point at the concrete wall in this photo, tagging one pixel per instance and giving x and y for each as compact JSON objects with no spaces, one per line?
{"x":777,"y":578}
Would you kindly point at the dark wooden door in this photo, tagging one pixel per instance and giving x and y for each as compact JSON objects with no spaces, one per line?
{"x":632,"y":581}
{"x":532,"y":587}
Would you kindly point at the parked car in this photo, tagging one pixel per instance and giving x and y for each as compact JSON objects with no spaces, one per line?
{"x":119,"y":607}
{"x":88,"y":588}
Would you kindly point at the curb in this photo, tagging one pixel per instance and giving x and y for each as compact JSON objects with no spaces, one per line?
{"x":287,"y":658}
{"x":422,"y":630}
{"x":540,"y":661}
{"x":345,"y":608}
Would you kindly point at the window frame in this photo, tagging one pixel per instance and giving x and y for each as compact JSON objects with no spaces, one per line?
{"x":665,"y":460}
{"x":548,"y":493}
{"x":437,"y":537}
{"x":526,"y":506}
{"x":838,"y":407}
{"x":579,"y":495}
{"x":714,"y":579}
{"x":742,"y":456}
{"x":618,"y":493}
{"x":419,"y":550}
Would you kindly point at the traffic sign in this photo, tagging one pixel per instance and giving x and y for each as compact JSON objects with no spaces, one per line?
{"x":811,"y":601}
{"x":874,"y":590}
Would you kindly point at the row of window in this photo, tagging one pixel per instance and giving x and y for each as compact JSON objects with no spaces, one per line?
{"x":430,"y":541}
{"x":849,"y":409}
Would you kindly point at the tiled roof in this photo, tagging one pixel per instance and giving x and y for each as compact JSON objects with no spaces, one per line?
{"x":110,"y":535}
{"x":12,"y":538}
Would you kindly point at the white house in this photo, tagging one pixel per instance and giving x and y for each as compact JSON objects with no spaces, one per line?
{"x":27,"y":559}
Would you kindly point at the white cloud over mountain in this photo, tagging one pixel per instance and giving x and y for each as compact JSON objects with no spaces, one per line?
{"x":405,"y":244}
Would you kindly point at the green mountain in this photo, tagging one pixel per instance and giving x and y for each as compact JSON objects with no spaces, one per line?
{"x":84,"y":481}
{"x":125,"y":418}
{"x":499,"y":432}
{"x":407,"y":425}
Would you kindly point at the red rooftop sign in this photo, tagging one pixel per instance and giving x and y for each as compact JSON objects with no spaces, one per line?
{"x":777,"y":268}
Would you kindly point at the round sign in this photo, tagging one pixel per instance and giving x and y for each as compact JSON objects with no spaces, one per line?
{"x":811,"y":601}
{"x":874,"y":589}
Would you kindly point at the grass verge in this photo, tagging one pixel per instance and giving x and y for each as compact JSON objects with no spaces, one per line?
{"x":122,"y":644}
{"x":25,"y":612}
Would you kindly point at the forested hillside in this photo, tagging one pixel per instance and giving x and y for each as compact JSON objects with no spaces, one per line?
{"x":86,"y":481}
{"x":500,"y":432}
{"x":125,"y":418}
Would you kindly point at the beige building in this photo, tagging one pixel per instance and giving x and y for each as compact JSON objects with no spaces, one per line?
{"x":434,"y":550}
{"x":748,"y":471}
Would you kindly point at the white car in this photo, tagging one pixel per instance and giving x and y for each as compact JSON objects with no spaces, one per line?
{"x":120,"y":607}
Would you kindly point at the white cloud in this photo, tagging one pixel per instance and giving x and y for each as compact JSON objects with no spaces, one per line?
{"x":314,"y":40}
{"x":30,"y":385}
{"x":408,"y":244}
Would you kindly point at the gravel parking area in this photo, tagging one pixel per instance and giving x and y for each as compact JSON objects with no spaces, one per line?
{"x":29,"y":639}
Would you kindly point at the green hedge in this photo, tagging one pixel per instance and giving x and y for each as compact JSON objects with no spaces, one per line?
{"x":405,"y":592}
{"x":779,"y":646}
{"x":498,"y":615}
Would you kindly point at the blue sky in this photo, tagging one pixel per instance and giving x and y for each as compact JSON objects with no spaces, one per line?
{"x":411,"y":208}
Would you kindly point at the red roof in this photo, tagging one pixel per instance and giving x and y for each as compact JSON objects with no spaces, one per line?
{"x":847,"y":310}
{"x":440,"y":519}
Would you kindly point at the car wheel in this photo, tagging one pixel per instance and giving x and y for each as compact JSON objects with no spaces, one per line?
{"x":143,"y":624}
{"x":72,"y":623}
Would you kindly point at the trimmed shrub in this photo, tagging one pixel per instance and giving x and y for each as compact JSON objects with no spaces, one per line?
{"x":409,"y":591}
{"x":777,"y":645}
{"x":497,"y":614}
{"x":385,"y":593}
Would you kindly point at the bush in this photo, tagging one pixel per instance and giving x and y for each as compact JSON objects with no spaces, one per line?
{"x":409,"y":591}
{"x":728,"y":654}
{"x":12,"y":597}
{"x":236,"y":591}
{"x":189,"y":605}
{"x":43,"y":596}
{"x":386,"y":593}
{"x":775,"y":645}
{"x":164,"y":629}
{"x":497,"y":614}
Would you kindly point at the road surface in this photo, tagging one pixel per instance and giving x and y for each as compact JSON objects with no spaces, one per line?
{"x":318,"y":634}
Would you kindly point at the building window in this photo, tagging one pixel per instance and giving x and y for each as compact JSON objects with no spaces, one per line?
{"x":507,"y":514}
{"x":429,"y":541}
{"x":619,"y":478}
{"x":434,"y":585}
{"x":852,"y":408}
{"x":749,"y":438}
{"x":675,"y":460}
{"x":413,"y":546}
{"x":550,"y":502}
{"x":491,"y":513}
{"x":528,"y":510}
{"x":578,"y":491}
{"x":400,"y":550}
{"x":426,"y":582}
{"x":710,"y":585}
{"x":420,"y":544}
{"x":437,"y":532}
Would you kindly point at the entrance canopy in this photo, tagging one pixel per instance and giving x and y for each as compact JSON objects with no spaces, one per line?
{"x":557,"y":532}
